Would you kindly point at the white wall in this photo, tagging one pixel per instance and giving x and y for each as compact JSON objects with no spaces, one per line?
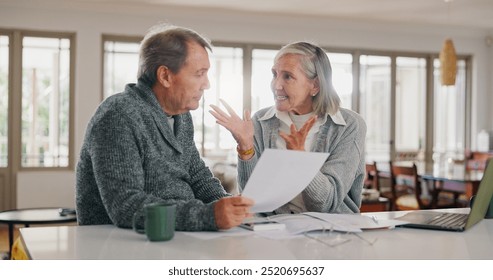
{"x":57,"y":188}
{"x":46,"y":189}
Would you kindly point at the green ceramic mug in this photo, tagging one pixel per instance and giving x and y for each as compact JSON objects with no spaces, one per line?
{"x":159,"y":221}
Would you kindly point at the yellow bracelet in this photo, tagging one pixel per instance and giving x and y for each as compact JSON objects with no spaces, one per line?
{"x":246,"y":152}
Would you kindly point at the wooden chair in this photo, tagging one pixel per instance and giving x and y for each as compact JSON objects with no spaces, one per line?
{"x":407,"y":191}
{"x":371,"y":178}
{"x":372,"y":183}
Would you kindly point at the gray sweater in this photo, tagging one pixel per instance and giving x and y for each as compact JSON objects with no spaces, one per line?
{"x":130,"y":157}
{"x":337,"y":186}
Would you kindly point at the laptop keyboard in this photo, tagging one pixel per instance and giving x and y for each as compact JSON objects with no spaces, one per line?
{"x":449,"y":220}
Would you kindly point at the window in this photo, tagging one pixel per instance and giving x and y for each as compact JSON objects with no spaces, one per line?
{"x":392,"y":97}
{"x":4,"y":99}
{"x":449,"y":114}
{"x":226,"y":83}
{"x":45,"y":102}
{"x":375,"y":105}
{"x":262,"y":62}
{"x":121,"y":61}
{"x":410,"y":107}
{"x":342,"y":76}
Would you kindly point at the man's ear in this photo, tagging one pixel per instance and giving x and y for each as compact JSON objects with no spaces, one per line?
{"x":163,"y":76}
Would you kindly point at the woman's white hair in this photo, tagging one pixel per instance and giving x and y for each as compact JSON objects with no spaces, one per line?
{"x":316,"y":65}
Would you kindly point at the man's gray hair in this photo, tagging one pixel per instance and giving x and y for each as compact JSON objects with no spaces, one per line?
{"x":166,"y":44}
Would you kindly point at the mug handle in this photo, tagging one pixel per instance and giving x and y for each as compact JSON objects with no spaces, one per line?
{"x":134,"y":224}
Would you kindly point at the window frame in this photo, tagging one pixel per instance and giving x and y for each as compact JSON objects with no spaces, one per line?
{"x":9,"y":34}
{"x":16,"y":95}
{"x":356,"y":93}
{"x":114,"y":38}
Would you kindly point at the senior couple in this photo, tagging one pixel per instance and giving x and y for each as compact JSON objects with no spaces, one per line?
{"x":139,"y":146}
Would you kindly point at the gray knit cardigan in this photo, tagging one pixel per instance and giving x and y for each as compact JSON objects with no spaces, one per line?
{"x":337,"y":186}
{"x":130,"y":157}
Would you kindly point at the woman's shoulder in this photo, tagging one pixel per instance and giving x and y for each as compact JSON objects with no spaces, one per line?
{"x":353,"y":119}
{"x":351,"y":116}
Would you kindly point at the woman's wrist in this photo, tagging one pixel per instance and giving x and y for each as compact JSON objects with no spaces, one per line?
{"x":245,"y":153}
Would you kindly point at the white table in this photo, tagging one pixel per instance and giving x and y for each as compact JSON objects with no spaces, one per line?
{"x":109,"y":242}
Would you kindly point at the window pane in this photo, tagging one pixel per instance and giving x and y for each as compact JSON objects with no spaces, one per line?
{"x":450,"y":111}
{"x":45,"y":102}
{"x":226,"y":81}
{"x":4,"y":99}
{"x":121,"y":61}
{"x":375,"y":105}
{"x":410,"y":108}
{"x":262,"y":62}
{"x":342,"y":76}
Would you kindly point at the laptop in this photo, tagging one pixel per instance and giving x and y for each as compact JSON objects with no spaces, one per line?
{"x":455,"y":221}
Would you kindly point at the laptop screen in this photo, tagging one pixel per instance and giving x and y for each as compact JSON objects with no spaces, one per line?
{"x":482,"y":198}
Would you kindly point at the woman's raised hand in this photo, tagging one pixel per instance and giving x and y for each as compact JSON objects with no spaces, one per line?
{"x":296,"y":140}
{"x":241,"y":129}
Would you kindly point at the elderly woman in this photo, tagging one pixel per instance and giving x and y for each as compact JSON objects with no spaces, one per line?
{"x":307,"y":116}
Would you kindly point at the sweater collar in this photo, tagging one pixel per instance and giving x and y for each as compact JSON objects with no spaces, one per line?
{"x":160,"y":117}
{"x":337,"y":118}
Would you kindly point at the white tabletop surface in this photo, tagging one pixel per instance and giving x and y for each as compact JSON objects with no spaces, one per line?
{"x":109,"y":242}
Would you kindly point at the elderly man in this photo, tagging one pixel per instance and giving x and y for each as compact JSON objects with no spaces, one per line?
{"x":139,"y":147}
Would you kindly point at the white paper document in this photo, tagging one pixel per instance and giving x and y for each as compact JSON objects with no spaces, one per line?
{"x":300,"y":223}
{"x":297,"y":224}
{"x":279,"y":176}
{"x":351,"y":222}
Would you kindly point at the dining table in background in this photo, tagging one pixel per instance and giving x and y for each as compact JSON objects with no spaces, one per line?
{"x":449,"y":176}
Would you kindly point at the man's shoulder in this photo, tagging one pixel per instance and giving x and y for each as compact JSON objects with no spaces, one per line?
{"x":124,"y":102}
{"x":125,"y":98}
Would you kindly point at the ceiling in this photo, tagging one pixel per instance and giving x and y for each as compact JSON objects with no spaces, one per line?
{"x":464,"y":13}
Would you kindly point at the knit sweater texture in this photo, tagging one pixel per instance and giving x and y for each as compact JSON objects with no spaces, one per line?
{"x":131,"y":157}
{"x":338,"y":185}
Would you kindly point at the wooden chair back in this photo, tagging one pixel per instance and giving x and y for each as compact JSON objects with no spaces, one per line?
{"x":404,"y":181}
{"x":371,"y":177}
